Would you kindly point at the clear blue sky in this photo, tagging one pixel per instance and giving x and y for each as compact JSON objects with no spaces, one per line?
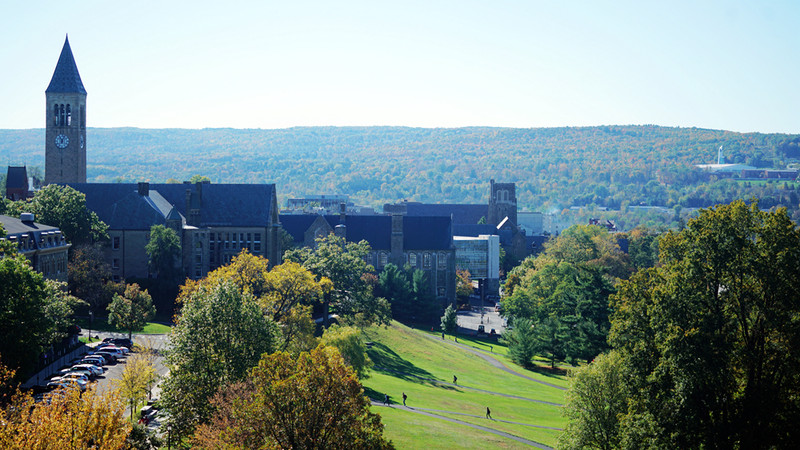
{"x":273,"y":64}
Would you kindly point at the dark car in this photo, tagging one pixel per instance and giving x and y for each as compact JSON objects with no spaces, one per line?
{"x":122,"y":342}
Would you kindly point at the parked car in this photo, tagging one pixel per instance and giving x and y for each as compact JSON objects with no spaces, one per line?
{"x":121,"y":342}
{"x":122,"y":350}
{"x":81,"y":370}
{"x":109,"y":356}
{"x":96,"y":370}
{"x":76,"y":376}
{"x":97,"y":360}
{"x":65,"y":383}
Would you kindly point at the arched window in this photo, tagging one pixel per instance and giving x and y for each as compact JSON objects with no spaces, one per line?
{"x":83,"y":117}
{"x":426,"y":260}
{"x":62,"y":112}
{"x":383,"y":259}
{"x":441,"y":260}
{"x":412,"y":259}
{"x":69,"y":115}
{"x":55,"y":115}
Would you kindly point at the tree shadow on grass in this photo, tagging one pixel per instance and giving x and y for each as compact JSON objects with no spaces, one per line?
{"x":387,"y":361}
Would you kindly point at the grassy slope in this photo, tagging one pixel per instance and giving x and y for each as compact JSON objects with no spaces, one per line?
{"x":401,"y":355}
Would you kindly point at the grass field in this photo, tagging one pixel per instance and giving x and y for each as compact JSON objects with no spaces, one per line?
{"x":101,"y":324}
{"x":423,"y":365}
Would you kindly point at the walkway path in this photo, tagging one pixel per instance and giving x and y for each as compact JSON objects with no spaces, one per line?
{"x":430,"y":413}
{"x":494,"y":362}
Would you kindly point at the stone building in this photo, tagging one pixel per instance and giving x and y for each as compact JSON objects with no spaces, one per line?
{"x":424,"y":243}
{"x":43,"y":245}
{"x":214,"y":222}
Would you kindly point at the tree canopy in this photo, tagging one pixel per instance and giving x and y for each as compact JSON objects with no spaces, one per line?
{"x":131,"y":310}
{"x":164,"y":253}
{"x":312,"y":401}
{"x":708,"y":341}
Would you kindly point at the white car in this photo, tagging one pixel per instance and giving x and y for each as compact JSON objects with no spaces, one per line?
{"x":96,"y":370}
{"x":76,"y":376}
{"x":81,"y":370}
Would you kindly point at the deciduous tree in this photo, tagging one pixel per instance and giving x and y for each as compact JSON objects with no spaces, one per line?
{"x":132,"y":310}
{"x":313,"y":401}
{"x":164,"y":253}
{"x":220,"y":333}
{"x":350,"y":345}
{"x":136,"y":381}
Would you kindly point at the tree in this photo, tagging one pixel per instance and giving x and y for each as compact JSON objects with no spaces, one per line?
{"x":220,"y":333}
{"x":65,"y":208}
{"x":393,"y":285}
{"x":449,"y":321}
{"x":136,"y":381}
{"x":708,"y":340}
{"x":343,"y":263}
{"x":164,"y":253}
{"x":90,"y":277}
{"x":132,"y":310}
{"x":314,"y":401}
{"x":23,"y":301}
{"x":595,"y":402}
{"x":522,"y":344}
{"x":199,"y":179}
{"x":350,"y":345}
{"x":463,"y":285}
{"x":65,"y":419}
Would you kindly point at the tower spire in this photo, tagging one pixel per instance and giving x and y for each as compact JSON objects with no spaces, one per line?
{"x":66,"y":78}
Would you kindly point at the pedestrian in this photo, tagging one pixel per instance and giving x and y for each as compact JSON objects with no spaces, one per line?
{"x":404,"y":398}
{"x":455,"y":380}
{"x":491,"y":349}
{"x":442,"y":334}
{"x":488,"y":413}
{"x":385,"y":399}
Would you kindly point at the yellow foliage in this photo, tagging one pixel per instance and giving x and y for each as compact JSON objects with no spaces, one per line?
{"x":64,"y":419}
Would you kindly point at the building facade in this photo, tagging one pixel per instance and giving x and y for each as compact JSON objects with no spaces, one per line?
{"x":43,"y":245}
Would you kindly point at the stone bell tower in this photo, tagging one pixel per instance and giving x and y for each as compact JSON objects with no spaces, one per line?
{"x":65,"y":141}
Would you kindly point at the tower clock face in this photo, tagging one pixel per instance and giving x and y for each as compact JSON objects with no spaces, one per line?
{"x":62,"y":141}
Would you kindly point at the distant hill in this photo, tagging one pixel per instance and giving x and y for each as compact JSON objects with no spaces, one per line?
{"x":554,"y":168}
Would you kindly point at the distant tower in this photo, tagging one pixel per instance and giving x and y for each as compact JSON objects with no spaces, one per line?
{"x":65,"y":145}
{"x":502,"y":202}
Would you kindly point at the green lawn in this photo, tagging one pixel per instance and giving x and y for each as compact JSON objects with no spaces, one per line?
{"x":409,"y":430}
{"x":101,"y":324}
{"x":408,"y":361}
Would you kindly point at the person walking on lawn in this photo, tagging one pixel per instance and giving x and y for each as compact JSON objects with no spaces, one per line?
{"x":404,"y":398}
{"x":488,"y":413}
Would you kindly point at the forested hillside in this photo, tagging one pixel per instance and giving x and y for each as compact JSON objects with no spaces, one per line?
{"x":554,"y":168}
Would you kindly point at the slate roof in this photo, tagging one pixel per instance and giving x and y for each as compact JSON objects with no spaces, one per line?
{"x":427,"y":233}
{"x":473,"y":230}
{"x":297,"y":224}
{"x":121,"y":207}
{"x":14,"y":226}
{"x":466,"y":214}
{"x":377,"y":230}
{"x":17,"y":178}
{"x":66,"y":78}
{"x":419,"y":233}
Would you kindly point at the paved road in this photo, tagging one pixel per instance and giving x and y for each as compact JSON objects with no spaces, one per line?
{"x":430,"y":413}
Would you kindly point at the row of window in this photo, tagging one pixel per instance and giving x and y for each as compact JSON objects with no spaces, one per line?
{"x":62,"y":116}
{"x":412,"y":259}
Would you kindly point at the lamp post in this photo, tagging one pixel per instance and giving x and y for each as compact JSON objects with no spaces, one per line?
{"x":91,"y":323}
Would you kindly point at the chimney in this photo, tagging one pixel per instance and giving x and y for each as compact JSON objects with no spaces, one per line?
{"x":144,"y":188}
{"x":396,"y":243}
{"x":340,"y":231}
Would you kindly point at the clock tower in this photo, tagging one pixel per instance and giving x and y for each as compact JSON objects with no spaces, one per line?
{"x":65,"y":146}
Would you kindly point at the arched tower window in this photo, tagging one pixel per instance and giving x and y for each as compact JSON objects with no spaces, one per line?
{"x":69,"y":115}
{"x":62,"y":112}
{"x":83,"y":117}
{"x":55,"y":115}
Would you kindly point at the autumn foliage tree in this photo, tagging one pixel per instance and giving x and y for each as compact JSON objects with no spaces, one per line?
{"x":65,"y":419}
{"x":313,"y":401}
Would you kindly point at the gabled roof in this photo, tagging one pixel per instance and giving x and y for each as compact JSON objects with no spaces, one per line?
{"x":66,"y":77}
{"x":14,"y":226}
{"x":17,"y":178}
{"x":419,"y":233}
{"x":297,"y":224}
{"x":377,"y":230}
{"x":427,"y":233}
{"x":467,"y":214}
{"x":121,"y":207}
